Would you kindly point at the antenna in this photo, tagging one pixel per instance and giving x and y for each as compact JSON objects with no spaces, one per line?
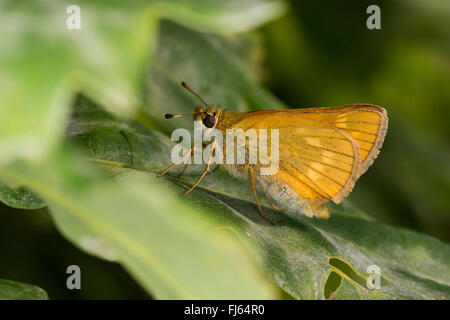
{"x":193,"y":92}
{"x":177,"y":115}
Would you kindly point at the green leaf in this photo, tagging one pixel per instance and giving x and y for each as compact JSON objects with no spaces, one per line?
{"x":106,"y":60}
{"x":169,"y":247}
{"x":298,"y":253}
{"x":20,"y":197}
{"x":221,"y":16}
{"x":11,"y":290}
{"x":42,"y":60}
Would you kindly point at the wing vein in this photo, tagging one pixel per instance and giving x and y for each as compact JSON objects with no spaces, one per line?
{"x":338,"y":138}
{"x":323,"y":175}
{"x":320,"y":192}
{"x":326,"y":164}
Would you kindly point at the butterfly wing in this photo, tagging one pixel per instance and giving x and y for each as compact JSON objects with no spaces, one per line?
{"x":322,"y":152}
{"x":366,"y":123}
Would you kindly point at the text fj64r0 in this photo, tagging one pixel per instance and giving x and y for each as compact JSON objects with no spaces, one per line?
{"x":239,"y":309}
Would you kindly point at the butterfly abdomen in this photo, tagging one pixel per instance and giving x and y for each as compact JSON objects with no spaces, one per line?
{"x":289,"y":200}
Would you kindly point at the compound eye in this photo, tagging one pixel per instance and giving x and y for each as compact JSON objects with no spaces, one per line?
{"x":209,"y":121}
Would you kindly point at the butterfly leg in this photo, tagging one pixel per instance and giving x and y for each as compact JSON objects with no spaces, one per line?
{"x":178,"y":162}
{"x":270,"y":202}
{"x":251,"y":176}
{"x":187,"y":164}
{"x":184,"y":170}
{"x":204,"y":172}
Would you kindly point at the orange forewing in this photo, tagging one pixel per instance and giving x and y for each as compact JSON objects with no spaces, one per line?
{"x":366,"y":123}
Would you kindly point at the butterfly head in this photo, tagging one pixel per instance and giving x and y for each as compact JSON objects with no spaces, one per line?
{"x":209,"y":116}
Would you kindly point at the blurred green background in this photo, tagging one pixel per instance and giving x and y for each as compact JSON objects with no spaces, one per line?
{"x":319,"y":54}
